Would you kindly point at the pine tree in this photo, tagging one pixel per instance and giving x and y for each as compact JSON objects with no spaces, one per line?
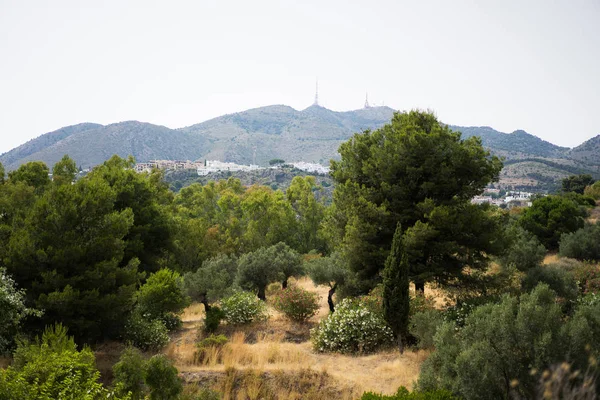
{"x":395,"y":289}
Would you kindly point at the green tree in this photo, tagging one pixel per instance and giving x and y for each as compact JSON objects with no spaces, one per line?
{"x":396,"y":298}
{"x":328,"y":271}
{"x":583,"y":244}
{"x":523,"y":251}
{"x":401,"y":173}
{"x":2,"y":174}
{"x":287,"y":261}
{"x":64,"y":171}
{"x":162,"y":297}
{"x":309,"y":212}
{"x":148,"y":198}
{"x":129,"y":374}
{"x":551,"y":216}
{"x":68,"y":254}
{"x":576,"y":183}
{"x":34,"y":173}
{"x":593,"y":190}
{"x":162,"y":379}
{"x":276,"y":161}
{"x":212,"y":281}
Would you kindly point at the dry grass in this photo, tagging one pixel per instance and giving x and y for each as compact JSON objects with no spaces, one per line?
{"x":278,"y":347}
{"x":551,"y":258}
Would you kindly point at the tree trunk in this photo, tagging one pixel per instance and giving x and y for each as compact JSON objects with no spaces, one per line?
{"x":420,"y":288}
{"x":206,"y":305}
{"x":330,"y":298}
{"x":284,"y":283}
{"x":400,"y":344}
{"x":261,"y":294}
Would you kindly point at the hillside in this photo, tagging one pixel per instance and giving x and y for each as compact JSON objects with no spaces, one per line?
{"x":313,"y":134}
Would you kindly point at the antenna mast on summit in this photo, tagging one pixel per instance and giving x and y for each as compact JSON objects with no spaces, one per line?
{"x":367,"y":105}
{"x":317,"y":94}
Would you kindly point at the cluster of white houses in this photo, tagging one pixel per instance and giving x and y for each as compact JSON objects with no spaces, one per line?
{"x":491,"y":196}
{"x":211,"y":166}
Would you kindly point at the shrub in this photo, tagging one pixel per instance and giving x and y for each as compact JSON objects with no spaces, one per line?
{"x":129,"y":373}
{"x":146,"y":334}
{"x":162,"y":379}
{"x":560,"y":280}
{"x":524,"y":250}
{"x":404,"y":394}
{"x":583,"y":244}
{"x":588,"y":277}
{"x":243,"y":308}
{"x":296,"y":303}
{"x":352,"y":328}
{"x":213,"y":318}
{"x":423,"y":326}
{"x":209,"y":342}
{"x":162,"y":297}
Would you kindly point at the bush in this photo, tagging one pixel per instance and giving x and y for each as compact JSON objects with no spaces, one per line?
{"x":243,"y":308}
{"x":423,"y":326}
{"x":404,"y":394}
{"x":583,"y":244}
{"x":146,"y":334}
{"x":209,"y":342}
{"x":296,"y":303}
{"x":213,"y":318}
{"x":162,"y":379}
{"x":560,"y":280}
{"x":524,"y":250}
{"x":129,"y":374}
{"x":162,"y":297}
{"x":504,"y":348}
{"x":588,"y":277}
{"x":352,"y":328}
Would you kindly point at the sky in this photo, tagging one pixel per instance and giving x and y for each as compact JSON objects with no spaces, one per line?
{"x":531,"y":65}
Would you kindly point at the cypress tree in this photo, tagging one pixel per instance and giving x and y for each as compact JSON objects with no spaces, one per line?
{"x":395,"y":289}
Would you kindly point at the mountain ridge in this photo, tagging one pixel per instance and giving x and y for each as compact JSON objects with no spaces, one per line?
{"x":279,"y":131}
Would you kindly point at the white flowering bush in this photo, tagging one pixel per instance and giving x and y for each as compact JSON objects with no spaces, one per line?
{"x":352,"y":328}
{"x":243,"y":308}
{"x":145,"y":333}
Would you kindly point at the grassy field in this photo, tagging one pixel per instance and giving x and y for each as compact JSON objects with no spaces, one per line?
{"x":277,"y":355}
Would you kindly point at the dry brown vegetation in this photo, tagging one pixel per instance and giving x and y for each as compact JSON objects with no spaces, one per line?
{"x":275,"y":359}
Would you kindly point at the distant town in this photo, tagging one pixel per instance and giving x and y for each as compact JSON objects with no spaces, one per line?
{"x":208,"y":167}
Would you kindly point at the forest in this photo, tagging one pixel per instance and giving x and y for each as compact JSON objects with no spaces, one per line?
{"x":492,"y":303}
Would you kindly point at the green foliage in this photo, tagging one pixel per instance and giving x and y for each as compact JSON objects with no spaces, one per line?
{"x":561,"y":281}
{"x":296,"y":303}
{"x":129,"y":374}
{"x":587,"y":276}
{"x":162,"y":297}
{"x":68,"y":254}
{"x":162,"y":379}
{"x":413,"y":170}
{"x":34,"y":173}
{"x":309,"y":211}
{"x":212,"y":341}
{"x":576,"y":183}
{"x":593,"y":191}
{"x":329,"y":271}
{"x":524,"y":251}
{"x":213,"y":280}
{"x":213,"y":318}
{"x":352,"y":328}
{"x":2,"y":174}
{"x":276,"y":161}
{"x":12,"y":312}
{"x":243,"y":308}
{"x":551,"y":216}
{"x":64,"y":171}
{"x":404,"y":394}
{"x":423,"y":326}
{"x":396,"y":298}
{"x":583,"y":244}
{"x":145,"y":333}
{"x":503,"y":348}
{"x":267,"y":264}
{"x":52,"y":368}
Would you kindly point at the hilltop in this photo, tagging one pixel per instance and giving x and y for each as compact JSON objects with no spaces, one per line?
{"x":313,"y":134}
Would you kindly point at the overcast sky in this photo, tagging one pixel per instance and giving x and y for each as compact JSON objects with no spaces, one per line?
{"x":532,"y":65}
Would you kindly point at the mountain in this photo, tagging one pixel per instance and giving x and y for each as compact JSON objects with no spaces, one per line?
{"x":587,"y":152}
{"x":313,"y":134}
{"x":92,"y":144}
